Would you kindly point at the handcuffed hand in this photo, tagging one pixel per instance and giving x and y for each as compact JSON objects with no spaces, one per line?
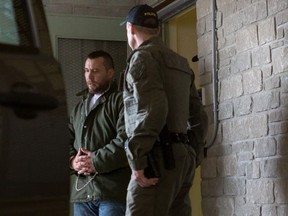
{"x":82,"y":162}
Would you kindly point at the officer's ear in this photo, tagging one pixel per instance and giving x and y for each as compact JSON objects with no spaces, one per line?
{"x":130,"y":28}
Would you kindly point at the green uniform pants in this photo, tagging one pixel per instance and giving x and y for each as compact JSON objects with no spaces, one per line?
{"x":170,"y":197}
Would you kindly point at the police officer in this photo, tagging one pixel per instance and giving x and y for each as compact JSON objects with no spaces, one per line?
{"x":157,"y":85}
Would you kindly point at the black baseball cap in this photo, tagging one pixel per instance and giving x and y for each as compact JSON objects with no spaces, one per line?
{"x":142,"y":15}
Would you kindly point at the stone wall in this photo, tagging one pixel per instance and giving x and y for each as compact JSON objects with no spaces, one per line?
{"x":246,"y":171}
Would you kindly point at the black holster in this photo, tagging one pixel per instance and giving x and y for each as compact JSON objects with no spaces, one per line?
{"x":152,"y":170}
{"x":167,"y":149}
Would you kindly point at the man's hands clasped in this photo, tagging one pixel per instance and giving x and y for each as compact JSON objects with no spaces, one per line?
{"x":82,"y":163}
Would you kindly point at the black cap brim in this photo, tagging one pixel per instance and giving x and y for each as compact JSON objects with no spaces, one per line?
{"x":123,"y":22}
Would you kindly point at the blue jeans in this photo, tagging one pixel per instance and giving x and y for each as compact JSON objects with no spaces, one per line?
{"x":99,"y":208}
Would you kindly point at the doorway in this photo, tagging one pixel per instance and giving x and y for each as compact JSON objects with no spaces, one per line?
{"x":181,"y":36}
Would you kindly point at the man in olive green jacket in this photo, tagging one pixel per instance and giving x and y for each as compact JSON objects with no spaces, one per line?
{"x":100,"y":172}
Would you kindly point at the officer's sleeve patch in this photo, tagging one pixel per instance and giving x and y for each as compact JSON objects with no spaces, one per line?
{"x":137,"y":67}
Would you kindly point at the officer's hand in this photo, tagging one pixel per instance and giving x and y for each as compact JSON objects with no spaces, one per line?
{"x":140,"y":178}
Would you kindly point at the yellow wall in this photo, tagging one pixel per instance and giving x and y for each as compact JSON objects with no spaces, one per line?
{"x":180,"y":35}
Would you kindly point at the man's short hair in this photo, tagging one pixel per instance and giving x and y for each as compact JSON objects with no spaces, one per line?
{"x":149,"y":31}
{"x":108,"y":60}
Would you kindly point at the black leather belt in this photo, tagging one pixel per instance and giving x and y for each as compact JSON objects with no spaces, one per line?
{"x":179,"y":137}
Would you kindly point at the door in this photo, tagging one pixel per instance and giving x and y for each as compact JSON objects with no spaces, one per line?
{"x":33,"y":119}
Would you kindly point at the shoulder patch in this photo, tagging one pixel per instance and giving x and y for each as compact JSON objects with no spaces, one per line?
{"x":137,"y":66}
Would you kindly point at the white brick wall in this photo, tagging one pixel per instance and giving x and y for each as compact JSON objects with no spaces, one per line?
{"x":246,"y":172}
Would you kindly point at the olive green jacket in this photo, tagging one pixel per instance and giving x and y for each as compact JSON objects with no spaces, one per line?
{"x":156,"y":92}
{"x":101,"y":131}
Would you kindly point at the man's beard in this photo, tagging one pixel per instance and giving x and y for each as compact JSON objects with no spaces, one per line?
{"x":98,"y":88}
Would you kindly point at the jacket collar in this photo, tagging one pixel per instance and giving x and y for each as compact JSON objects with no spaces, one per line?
{"x":150,"y":42}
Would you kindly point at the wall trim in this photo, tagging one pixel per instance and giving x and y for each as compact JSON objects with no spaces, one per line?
{"x":174,"y":9}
